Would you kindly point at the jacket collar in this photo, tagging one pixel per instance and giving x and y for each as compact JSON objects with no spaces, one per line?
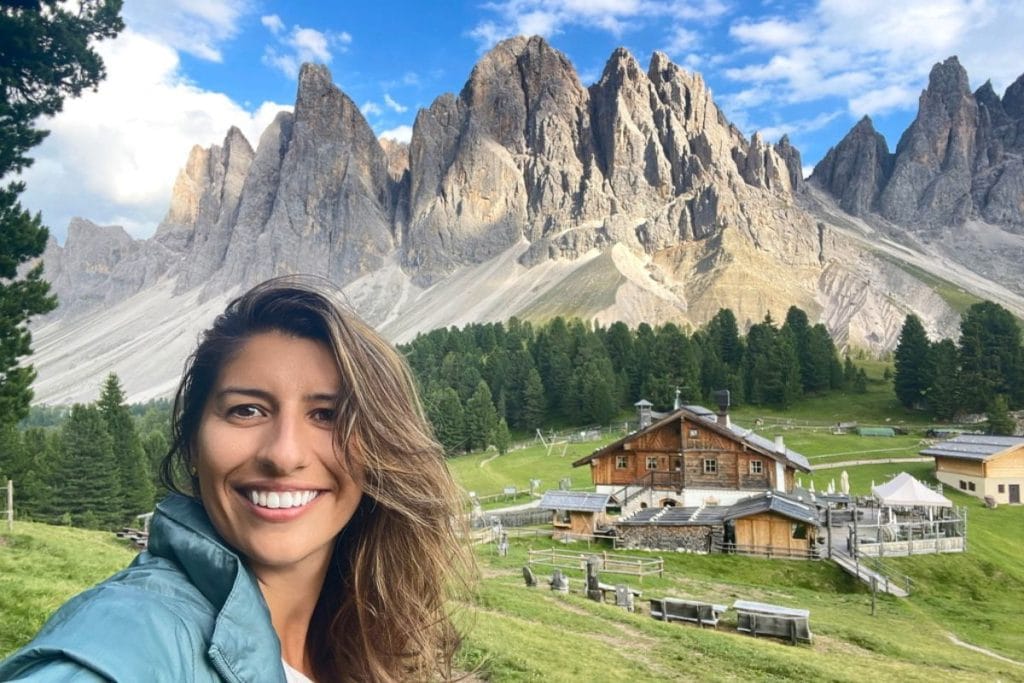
{"x":244,"y":646}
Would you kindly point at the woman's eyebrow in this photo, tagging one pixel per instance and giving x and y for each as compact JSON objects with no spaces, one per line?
{"x":245,"y":391}
{"x":325,"y":397}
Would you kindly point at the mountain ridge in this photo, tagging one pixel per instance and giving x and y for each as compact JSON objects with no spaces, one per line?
{"x":515,"y":197}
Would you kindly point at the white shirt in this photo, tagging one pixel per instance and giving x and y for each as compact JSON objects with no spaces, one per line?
{"x":294,"y":675}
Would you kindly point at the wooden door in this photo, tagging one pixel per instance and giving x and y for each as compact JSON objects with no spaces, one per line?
{"x":1014,"y":493}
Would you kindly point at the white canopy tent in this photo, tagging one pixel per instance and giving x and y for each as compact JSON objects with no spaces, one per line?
{"x":905,"y":491}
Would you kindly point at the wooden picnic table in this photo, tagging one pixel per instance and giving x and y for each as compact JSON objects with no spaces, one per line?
{"x":761,"y":618}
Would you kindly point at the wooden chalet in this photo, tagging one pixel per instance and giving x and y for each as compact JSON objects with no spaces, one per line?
{"x":981,"y":465}
{"x":691,"y":457}
{"x":769,"y":523}
{"x":576,"y":513}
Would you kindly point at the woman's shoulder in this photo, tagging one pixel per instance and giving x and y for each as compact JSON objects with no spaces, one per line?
{"x":144,"y":623}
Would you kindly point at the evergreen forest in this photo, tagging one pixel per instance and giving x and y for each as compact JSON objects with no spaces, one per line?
{"x":485,"y":379}
{"x":982,"y":372}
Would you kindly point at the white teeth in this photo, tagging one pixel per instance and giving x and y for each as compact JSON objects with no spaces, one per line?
{"x":275,"y":500}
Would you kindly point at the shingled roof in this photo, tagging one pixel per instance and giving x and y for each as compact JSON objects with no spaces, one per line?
{"x":774,"y":501}
{"x":769,"y":501}
{"x":978,"y":447}
{"x":696,"y":412}
{"x":574,"y":501}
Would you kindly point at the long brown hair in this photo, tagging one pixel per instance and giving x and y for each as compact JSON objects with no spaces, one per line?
{"x":382,"y":613}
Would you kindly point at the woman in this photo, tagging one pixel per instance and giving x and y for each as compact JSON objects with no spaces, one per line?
{"x":314,"y":532}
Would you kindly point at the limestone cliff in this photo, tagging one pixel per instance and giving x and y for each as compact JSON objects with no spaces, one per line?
{"x":528,"y":194}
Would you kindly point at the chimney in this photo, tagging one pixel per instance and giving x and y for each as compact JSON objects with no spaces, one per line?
{"x":643,"y":407}
{"x":780,"y":445}
{"x":679,"y":401}
{"x":722,"y":399}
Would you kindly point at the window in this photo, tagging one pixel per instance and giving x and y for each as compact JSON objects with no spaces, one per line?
{"x":799,"y":531}
{"x":652,"y":462}
{"x":693,"y":433}
{"x":563,"y":517}
{"x":710,"y":466}
{"x":970,"y":486}
{"x":1002,"y":488}
{"x":756,"y":467}
{"x":621,"y":462}
{"x":963,"y":484}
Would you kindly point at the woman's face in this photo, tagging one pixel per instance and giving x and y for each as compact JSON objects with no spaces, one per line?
{"x":270,"y":475}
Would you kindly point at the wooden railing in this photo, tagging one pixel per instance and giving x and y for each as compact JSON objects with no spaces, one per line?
{"x":767,"y":551}
{"x":609,"y":563}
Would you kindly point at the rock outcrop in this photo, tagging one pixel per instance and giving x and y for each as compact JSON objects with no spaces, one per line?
{"x":856,"y":170}
{"x":528,"y":194}
{"x":962,"y":159}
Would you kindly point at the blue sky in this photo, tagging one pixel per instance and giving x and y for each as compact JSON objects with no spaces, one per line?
{"x":185,"y":70}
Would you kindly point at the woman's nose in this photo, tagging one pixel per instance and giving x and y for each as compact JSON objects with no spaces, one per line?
{"x":287,"y":447}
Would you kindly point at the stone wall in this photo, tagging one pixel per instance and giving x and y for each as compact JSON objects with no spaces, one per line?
{"x":690,"y":538}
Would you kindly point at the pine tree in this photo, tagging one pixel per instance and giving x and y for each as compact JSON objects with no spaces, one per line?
{"x":913,"y":366}
{"x":47,"y":54}
{"x":999,"y":419}
{"x":502,"y":439}
{"x":446,"y":415}
{"x":136,"y":480}
{"x":943,"y":394}
{"x":991,"y":357}
{"x":481,"y":418}
{"x":86,"y":482}
{"x":532,"y":416}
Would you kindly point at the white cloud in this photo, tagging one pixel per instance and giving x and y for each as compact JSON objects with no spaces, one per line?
{"x":551,"y":17}
{"x":400,"y":133}
{"x":770,"y":33}
{"x":371,"y":109}
{"x":794,"y":128}
{"x":393,"y":105}
{"x":682,"y":41}
{"x":302,"y":45}
{"x":195,"y":27}
{"x":273,"y":22}
{"x":876,"y":54}
{"x":113,"y":154}
{"x":882,"y":100}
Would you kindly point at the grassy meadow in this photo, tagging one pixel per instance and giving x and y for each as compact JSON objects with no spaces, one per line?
{"x":513,"y":633}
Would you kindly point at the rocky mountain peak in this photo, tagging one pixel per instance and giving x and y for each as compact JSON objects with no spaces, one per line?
{"x":948,"y":79}
{"x":855,"y":171}
{"x":526,"y":194}
{"x":1013,"y":99}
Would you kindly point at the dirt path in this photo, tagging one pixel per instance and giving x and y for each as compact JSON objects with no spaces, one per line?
{"x":956,"y":641}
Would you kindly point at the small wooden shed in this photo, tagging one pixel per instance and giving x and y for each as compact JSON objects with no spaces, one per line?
{"x":772,"y":524}
{"x":576,"y":513}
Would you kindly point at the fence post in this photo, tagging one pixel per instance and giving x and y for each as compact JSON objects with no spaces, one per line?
{"x":10,"y":505}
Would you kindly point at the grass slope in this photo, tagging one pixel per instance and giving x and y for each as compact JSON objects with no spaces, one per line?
{"x":41,"y":566}
{"x":517,"y":634}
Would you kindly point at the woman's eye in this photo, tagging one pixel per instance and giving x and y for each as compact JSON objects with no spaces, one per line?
{"x":245,"y":411}
{"x":325,"y":415}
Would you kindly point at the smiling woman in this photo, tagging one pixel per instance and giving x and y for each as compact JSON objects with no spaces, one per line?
{"x":313,"y":534}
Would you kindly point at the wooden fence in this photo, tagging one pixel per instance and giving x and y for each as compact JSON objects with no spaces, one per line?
{"x":608,"y":563}
{"x":9,"y":512}
{"x":767,"y":551}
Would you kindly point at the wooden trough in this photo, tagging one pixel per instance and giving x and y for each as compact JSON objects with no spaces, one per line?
{"x":762,"y":619}
{"x":674,"y":609}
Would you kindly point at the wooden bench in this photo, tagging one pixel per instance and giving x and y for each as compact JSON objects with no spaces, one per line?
{"x":762,"y":619}
{"x":607,"y":588}
{"x":693,"y":611}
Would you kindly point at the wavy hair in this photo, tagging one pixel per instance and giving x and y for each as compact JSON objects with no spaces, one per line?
{"x":382,"y":613}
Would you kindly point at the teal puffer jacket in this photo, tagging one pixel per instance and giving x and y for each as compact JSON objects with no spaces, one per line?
{"x":186,"y":609}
